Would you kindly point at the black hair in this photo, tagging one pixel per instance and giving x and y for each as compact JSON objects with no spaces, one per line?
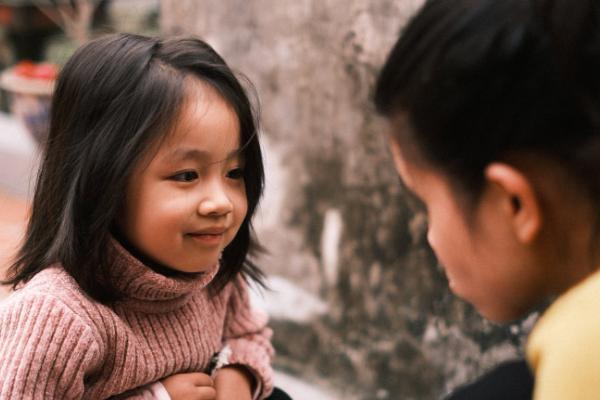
{"x":482,"y":80}
{"x":114,"y":98}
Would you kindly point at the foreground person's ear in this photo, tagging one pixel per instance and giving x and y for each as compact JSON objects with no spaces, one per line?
{"x":518,"y":198}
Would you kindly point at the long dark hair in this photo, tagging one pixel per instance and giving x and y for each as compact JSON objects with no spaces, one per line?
{"x":115,"y":97}
{"x":483,"y":79}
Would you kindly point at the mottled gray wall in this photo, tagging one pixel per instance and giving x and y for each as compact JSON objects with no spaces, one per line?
{"x":335,"y":218}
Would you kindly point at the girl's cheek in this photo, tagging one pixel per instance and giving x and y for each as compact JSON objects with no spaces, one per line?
{"x":242,"y":202}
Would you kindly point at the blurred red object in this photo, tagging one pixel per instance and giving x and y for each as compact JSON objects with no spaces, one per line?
{"x":30,"y":86}
{"x":28,"y":69}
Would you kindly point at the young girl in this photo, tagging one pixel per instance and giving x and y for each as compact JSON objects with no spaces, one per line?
{"x":494,"y":114}
{"x":134,"y":266}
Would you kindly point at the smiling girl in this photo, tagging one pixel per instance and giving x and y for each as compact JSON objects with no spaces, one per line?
{"x":135,"y":262}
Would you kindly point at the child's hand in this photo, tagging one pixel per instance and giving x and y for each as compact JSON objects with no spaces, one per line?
{"x":234,"y":382}
{"x":190,"y":386}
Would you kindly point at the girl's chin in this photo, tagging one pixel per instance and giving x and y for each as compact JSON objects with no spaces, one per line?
{"x":196,"y":269}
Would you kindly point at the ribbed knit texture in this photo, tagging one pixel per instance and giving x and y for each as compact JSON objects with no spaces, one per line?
{"x":57,"y":343}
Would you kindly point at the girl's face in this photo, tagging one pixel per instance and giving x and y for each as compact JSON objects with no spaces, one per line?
{"x":185,"y":204}
{"x":485,"y":264}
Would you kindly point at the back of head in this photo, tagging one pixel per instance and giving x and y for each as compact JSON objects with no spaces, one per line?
{"x":481,"y":80}
{"x":115,"y":98}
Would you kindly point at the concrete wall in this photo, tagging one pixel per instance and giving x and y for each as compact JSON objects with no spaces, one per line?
{"x":378,"y":322}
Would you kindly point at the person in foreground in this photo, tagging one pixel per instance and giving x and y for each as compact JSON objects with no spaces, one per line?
{"x":494,"y":115}
{"x":133,"y":272}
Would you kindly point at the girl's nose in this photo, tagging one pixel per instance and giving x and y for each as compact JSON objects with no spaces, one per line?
{"x":215,"y":203}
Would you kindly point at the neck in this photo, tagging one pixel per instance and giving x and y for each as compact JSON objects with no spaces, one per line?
{"x":574,"y":251}
{"x":147,"y":290}
{"x":569,"y":243}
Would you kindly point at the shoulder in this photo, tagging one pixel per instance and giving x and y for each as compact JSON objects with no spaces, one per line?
{"x":53,"y":293}
{"x":51,"y":283}
{"x":237,"y":290}
{"x":46,"y":341}
{"x":235,"y":287}
{"x":566,"y":339}
{"x":232,"y":299}
{"x":572,"y":315}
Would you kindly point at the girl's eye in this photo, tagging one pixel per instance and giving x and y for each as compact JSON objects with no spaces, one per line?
{"x":237,"y":173}
{"x":185,"y":176}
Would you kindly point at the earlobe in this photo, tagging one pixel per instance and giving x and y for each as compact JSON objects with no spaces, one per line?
{"x":522,"y":204}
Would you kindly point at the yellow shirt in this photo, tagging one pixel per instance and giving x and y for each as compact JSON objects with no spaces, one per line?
{"x":564,"y":347}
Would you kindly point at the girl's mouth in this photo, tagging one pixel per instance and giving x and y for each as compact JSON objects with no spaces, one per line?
{"x":210,"y":236}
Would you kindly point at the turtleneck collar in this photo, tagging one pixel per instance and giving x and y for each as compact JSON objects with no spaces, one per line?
{"x":147,"y":290}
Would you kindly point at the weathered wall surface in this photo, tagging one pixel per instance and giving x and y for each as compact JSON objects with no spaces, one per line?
{"x":335,"y":218}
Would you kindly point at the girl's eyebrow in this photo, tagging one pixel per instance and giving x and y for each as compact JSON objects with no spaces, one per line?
{"x":185,"y":154}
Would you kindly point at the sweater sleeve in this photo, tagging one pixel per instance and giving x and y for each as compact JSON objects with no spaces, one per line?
{"x":46,"y":350}
{"x":249,"y":338}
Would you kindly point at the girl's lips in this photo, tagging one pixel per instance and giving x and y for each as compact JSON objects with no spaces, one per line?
{"x":210,"y":239}
{"x":213,"y":230}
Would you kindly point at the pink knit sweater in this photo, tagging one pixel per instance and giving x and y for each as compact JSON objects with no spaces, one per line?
{"x":57,"y":343}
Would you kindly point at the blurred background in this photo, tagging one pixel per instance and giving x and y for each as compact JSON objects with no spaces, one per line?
{"x":359,"y":306}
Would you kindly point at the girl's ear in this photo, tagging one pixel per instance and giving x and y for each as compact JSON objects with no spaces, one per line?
{"x":519,"y":200}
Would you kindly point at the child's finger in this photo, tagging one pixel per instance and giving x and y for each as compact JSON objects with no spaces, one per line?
{"x":200,"y":379}
{"x":205,"y":393}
